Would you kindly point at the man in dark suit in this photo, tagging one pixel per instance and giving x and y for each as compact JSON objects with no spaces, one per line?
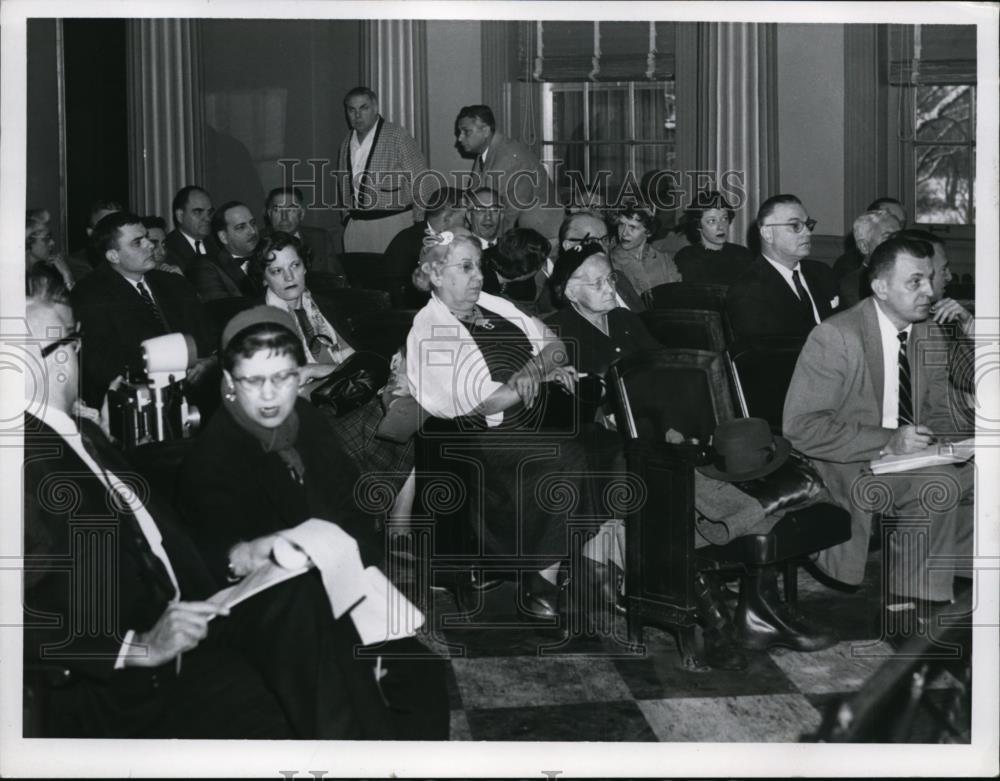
{"x":781,"y":294}
{"x":871,"y":382}
{"x":484,"y":215}
{"x":870,"y":229}
{"x":225,"y":274}
{"x":191,"y":236}
{"x":512,"y":169}
{"x":284,"y":211}
{"x":446,"y":210}
{"x":126,"y":301}
{"x":125,"y":610}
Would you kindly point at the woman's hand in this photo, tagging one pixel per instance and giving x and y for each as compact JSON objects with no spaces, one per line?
{"x":564,"y":375}
{"x":245,"y":557}
{"x":526,"y":383}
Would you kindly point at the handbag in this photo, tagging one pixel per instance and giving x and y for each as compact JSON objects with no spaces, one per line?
{"x":352,"y":384}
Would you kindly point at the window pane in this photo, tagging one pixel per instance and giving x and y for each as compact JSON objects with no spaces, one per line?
{"x":943,"y":184}
{"x":945,"y":113}
{"x":567,"y":125}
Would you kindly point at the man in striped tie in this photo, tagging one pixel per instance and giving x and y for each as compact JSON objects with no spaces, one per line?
{"x":874,"y":381}
{"x":127,"y":300}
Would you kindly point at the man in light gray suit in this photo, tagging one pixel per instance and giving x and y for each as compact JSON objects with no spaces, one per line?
{"x":873,"y":381}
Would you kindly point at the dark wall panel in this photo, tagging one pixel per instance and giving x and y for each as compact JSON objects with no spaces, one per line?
{"x":42,"y":158}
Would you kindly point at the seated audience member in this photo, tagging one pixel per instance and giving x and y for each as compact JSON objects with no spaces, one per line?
{"x":596,"y":330}
{"x":781,"y":293}
{"x":515,"y":269}
{"x":269,"y":461}
{"x":284,"y":211}
{"x":633,"y":255}
{"x":502,"y":356}
{"x":39,"y":246}
{"x":158,"y":660}
{"x":445,"y":210}
{"x":852,"y":258}
{"x":585,"y":227}
{"x":191,"y":237}
{"x":85,"y":259}
{"x":125,"y":301}
{"x":710,"y":258}
{"x":156,"y":232}
{"x":943,"y":309}
{"x":484,"y":215}
{"x":225,"y":274}
{"x":868,"y":385}
{"x":279,"y":269}
{"x":869,"y":230}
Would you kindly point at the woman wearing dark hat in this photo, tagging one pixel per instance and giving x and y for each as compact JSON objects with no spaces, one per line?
{"x":515,"y":269}
{"x":267,"y":461}
{"x":710,"y":258}
{"x":594,"y":328}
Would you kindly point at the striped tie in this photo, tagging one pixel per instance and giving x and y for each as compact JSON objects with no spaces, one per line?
{"x":905,"y":415}
{"x":148,"y":299}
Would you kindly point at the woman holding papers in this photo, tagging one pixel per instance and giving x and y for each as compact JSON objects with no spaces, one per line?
{"x":267,"y":462}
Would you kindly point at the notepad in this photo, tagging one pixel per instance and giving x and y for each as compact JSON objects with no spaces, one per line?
{"x":935,"y":455}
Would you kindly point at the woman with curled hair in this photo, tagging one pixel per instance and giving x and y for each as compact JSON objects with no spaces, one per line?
{"x":710,"y":258}
{"x":515,"y":269}
{"x":268,"y":461}
{"x":278,"y":267}
{"x":477,"y":356}
{"x":633,"y":255}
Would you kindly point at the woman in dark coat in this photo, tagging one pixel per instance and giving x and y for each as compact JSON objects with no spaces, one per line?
{"x":268,"y":461}
{"x":710,"y":258}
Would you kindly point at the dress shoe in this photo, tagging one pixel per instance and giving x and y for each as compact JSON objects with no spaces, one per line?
{"x":479,"y":582}
{"x":762,"y":621}
{"x":541,"y":598}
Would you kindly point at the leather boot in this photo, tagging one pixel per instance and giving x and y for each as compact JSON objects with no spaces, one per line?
{"x":541,"y":598}
{"x":763,"y":621}
{"x":721,"y":651}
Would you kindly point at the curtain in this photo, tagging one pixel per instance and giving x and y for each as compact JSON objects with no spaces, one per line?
{"x":394,"y":64}
{"x":737,"y":120}
{"x":166,"y":120}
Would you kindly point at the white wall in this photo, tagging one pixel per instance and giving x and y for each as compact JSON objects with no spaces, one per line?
{"x":454,"y":79}
{"x":811,"y":120}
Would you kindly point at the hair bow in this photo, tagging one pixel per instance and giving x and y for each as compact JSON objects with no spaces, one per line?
{"x":442,"y":239}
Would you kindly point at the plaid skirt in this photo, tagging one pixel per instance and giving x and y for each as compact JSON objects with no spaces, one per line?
{"x":392,"y":461}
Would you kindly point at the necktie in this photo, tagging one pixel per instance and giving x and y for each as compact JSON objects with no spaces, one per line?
{"x":148,"y":300}
{"x":313,"y":339}
{"x":905,"y":415}
{"x":198,"y":248}
{"x":804,"y":298}
{"x":162,"y":585}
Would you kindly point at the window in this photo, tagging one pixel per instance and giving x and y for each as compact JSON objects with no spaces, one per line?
{"x":944,"y":154}
{"x":595,"y":133}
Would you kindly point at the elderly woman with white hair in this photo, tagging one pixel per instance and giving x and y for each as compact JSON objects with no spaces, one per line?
{"x":476,"y":356}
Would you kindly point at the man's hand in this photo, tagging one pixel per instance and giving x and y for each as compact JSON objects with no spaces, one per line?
{"x":909,"y":439}
{"x":181,"y":627}
{"x":948,"y":310}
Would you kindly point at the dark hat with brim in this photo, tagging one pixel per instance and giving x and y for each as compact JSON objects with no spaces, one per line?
{"x":745,"y":449}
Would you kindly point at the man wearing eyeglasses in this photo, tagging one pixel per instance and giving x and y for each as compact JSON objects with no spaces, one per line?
{"x":484,"y":215}
{"x":782,"y":294}
{"x":127,"y":300}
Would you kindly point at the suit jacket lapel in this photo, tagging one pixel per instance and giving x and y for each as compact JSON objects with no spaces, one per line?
{"x":231,"y":268}
{"x":871,"y":338}
{"x":819,"y":295}
{"x":772,"y":277}
{"x":164,"y":302}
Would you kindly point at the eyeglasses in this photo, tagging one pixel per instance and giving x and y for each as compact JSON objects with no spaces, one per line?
{"x":795,"y":225}
{"x":586,"y":239}
{"x":600,"y":284}
{"x":490,"y":209}
{"x":72,"y":339}
{"x":279,"y":380}
{"x":468,"y":266}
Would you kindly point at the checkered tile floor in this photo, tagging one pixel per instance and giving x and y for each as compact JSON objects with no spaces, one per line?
{"x":526,"y":682}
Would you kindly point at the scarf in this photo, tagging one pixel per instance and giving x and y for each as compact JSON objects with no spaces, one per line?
{"x":333,"y":351}
{"x":280,"y":440}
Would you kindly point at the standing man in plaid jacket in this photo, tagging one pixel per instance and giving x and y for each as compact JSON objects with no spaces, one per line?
{"x":381,"y":165}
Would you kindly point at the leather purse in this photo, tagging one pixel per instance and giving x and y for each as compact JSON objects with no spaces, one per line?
{"x":352,"y":384}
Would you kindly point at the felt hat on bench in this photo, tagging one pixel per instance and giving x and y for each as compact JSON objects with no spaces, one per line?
{"x":745,"y":449}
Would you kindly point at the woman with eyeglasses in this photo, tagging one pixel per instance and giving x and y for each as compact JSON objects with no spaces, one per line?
{"x":278,"y":267}
{"x":710,"y":258}
{"x":478,"y":357}
{"x":40,"y":247}
{"x":595,"y":329}
{"x":267,"y":461}
{"x":633,"y":255}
